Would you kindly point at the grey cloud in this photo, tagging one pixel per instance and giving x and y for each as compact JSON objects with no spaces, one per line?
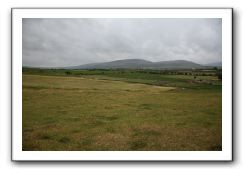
{"x":69,"y":42}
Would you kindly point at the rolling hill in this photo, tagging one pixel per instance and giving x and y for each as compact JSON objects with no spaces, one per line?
{"x":140,"y":64}
{"x":215,"y":64}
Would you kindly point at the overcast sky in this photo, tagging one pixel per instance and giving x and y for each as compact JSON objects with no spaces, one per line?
{"x":70,"y":42}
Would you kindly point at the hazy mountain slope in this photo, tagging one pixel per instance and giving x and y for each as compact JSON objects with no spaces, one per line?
{"x":127,"y":63}
{"x":140,"y":64}
{"x":215,"y":64}
{"x":180,"y":64}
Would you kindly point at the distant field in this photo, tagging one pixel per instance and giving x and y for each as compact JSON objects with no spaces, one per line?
{"x":121,"y":110}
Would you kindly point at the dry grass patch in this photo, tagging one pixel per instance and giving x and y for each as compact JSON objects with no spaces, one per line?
{"x":71,"y":113}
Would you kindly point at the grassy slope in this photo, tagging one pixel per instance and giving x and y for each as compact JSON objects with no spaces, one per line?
{"x":68,"y":113}
{"x":154,"y":77}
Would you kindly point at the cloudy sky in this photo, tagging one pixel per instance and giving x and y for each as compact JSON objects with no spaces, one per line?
{"x":70,"y":42}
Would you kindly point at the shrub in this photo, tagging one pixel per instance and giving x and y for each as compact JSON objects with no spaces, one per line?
{"x":219,"y":75}
{"x":67,"y":72}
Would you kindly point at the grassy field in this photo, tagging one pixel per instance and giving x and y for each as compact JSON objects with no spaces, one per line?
{"x":121,"y":110}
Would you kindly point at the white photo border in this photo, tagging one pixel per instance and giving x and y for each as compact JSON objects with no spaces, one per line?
{"x":16,"y":51}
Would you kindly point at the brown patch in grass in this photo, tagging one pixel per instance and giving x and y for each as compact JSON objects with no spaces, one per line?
{"x":111,"y":141}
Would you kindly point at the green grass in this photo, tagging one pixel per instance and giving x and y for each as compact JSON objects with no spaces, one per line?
{"x":105,"y":112}
{"x":195,"y":79}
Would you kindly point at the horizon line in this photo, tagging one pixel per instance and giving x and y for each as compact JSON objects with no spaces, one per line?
{"x":60,"y":67}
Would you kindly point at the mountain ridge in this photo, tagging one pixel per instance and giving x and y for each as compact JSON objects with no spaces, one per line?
{"x":140,"y":64}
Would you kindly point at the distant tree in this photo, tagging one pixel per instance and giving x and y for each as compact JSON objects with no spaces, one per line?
{"x":215,"y":68}
{"x":67,"y":72}
{"x":219,"y":75}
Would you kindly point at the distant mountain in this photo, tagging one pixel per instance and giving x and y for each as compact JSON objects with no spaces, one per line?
{"x":140,"y":64}
{"x":176,"y":64}
{"x":126,"y":64}
{"x":214,"y":64}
